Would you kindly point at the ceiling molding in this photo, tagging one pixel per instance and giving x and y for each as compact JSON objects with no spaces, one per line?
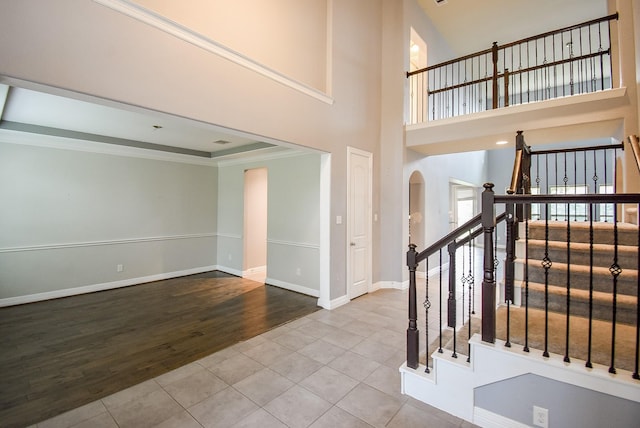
{"x":173,"y":28}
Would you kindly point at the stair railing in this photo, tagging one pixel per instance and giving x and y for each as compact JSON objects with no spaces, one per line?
{"x":489,"y":200}
{"x":568,"y":61}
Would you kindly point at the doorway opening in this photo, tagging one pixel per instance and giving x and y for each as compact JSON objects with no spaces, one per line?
{"x":463,"y":200}
{"x":255,"y":224}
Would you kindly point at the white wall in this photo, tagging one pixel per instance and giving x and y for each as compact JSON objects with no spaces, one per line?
{"x":293,"y":220}
{"x":68,"y":218}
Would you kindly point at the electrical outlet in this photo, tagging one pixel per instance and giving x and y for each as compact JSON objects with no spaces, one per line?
{"x":540,"y":417}
{"x":119,"y":268}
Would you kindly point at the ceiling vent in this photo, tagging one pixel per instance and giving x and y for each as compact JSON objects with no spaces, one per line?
{"x":440,"y":2}
{"x":222,"y":142}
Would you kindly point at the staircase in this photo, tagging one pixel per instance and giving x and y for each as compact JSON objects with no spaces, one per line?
{"x":581,"y":277}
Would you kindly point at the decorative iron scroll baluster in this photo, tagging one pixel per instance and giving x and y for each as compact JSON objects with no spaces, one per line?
{"x":546,"y":264}
{"x":427,"y":305}
{"x":471,"y":297}
{"x":615,"y":272}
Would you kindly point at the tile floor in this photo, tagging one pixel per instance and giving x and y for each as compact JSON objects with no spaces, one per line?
{"x":329,"y":369}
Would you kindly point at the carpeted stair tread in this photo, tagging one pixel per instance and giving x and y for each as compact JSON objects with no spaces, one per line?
{"x":579,"y":276}
{"x":580,"y":253}
{"x":602,"y":232}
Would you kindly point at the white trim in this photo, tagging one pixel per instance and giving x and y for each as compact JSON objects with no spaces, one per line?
{"x":258,"y":155}
{"x":106,"y":242}
{"x":404,"y":285}
{"x":63,"y":143}
{"x":181,"y":32}
{"x":487,"y":419}
{"x":254,"y":271}
{"x":335,"y":303}
{"x":55,"y":294}
{"x":293,"y":244}
{"x":325,"y":233}
{"x":229,"y":235}
{"x":292,"y":287}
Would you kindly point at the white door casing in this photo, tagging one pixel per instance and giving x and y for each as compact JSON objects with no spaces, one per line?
{"x":359,"y":207}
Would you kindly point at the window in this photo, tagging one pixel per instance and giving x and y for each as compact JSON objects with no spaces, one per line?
{"x":577,"y":211}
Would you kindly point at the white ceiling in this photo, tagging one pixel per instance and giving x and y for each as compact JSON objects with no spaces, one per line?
{"x":473,"y":25}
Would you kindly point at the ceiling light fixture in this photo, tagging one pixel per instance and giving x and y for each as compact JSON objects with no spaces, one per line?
{"x":222,"y":142}
{"x":157,"y":126}
{"x":502,"y":142}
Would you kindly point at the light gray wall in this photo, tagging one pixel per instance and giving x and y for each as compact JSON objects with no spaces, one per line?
{"x":293,"y":218}
{"x":568,"y":405}
{"x":438,"y":171}
{"x":68,"y":218}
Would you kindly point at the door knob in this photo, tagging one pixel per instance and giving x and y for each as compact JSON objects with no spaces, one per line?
{"x":353,"y":244}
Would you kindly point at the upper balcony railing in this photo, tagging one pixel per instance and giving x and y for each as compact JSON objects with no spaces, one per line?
{"x":569,"y":61}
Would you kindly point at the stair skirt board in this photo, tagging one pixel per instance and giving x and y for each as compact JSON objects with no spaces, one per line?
{"x":451,"y":383}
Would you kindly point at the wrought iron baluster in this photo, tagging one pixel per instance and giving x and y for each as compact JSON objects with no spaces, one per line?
{"x":566,"y":346}
{"x":526,"y":285}
{"x":589,"y":345}
{"x":427,"y":305}
{"x":440,"y":303}
{"x":546,"y":264}
{"x":615,"y":271}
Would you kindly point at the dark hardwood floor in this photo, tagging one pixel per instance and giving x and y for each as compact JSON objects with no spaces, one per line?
{"x":60,"y":354}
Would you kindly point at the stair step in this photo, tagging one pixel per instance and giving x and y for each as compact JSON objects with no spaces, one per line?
{"x":626,"y":305}
{"x":602,"y":232}
{"x":580,"y":253}
{"x":579,"y":277}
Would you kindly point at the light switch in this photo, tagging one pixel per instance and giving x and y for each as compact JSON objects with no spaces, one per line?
{"x":338,"y":219}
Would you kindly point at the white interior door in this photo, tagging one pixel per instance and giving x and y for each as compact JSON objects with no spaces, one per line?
{"x":359,"y":201}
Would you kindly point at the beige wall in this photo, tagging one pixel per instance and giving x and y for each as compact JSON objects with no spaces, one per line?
{"x":85,"y":47}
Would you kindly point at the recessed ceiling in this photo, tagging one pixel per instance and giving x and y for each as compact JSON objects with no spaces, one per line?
{"x":33,"y":111}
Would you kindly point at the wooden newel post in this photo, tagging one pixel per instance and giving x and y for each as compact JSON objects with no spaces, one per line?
{"x":488,"y":218}
{"x":412,"y":330}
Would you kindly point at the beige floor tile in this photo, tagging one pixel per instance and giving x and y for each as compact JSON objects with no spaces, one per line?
{"x":236,"y":368}
{"x":75,"y":416}
{"x":387,"y":380}
{"x":317,"y":329}
{"x":333,"y":318}
{"x":410,"y":417}
{"x":146,"y":411}
{"x":263,"y":386}
{"x":372,"y":406}
{"x":223,"y":409}
{"x":374,"y":351}
{"x":296,"y":367}
{"x":294,"y":339}
{"x":104,"y":420}
{"x":248,"y":344}
{"x":344,"y":339}
{"x":181,"y":420}
{"x":336,"y":417}
{"x":261,"y":419}
{"x":278,"y":331}
{"x":360,"y":328}
{"x":194,"y":388}
{"x":218,"y":357}
{"x":297,"y":407}
{"x":268,"y":352}
{"x":329,"y":384}
{"x":322,"y":351}
{"x":393,"y":338}
{"x":354,"y":365}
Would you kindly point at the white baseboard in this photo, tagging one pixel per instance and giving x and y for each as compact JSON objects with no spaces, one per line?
{"x":389,"y":284}
{"x":230,"y":271}
{"x":333,"y":304}
{"x":293,"y":287}
{"x":254,"y":271}
{"x":487,"y":419}
{"x":56,"y":294}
